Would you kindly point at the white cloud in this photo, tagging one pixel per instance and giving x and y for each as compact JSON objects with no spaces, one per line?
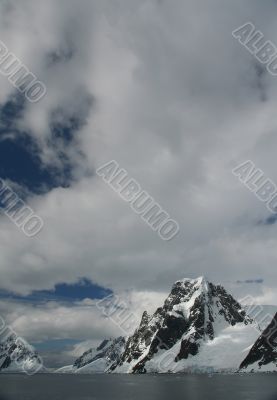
{"x":178,"y":103}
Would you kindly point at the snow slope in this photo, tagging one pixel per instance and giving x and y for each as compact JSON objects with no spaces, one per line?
{"x":262,"y":356}
{"x":97,"y":360}
{"x":18,"y":356}
{"x":199,"y":326}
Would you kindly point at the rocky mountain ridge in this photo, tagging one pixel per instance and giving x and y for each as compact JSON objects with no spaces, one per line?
{"x":200,"y":327}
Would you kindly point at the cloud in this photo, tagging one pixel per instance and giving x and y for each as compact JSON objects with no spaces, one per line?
{"x":83,"y":289}
{"x":167,"y":92}
{"x":250,"y":281}
{"x":57,"y":321}
{"x":62,"y":330}
{"x":77,"y":320}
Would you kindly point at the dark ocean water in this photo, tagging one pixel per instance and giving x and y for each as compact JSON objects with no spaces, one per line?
{"x":138,"y":387}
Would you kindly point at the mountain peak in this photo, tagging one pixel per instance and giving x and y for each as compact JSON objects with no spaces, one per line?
{"x":193,"y":314}
{"x":199,"y":326}
{"x":200,"y":282}
{"x":193,"y":281}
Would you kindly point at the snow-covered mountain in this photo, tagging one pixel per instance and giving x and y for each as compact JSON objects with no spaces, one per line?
{"x":262,"y":314}
{"x":262,"y":356}
{"x":18,"y":356}
{"x":99,"y":359}
{"x":199,"y":327}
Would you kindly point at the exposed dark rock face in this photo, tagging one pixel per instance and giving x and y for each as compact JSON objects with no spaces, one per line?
{"x":18,"y":355}
{"x":187,"y":348}
{"x":189,"y":315}
{"x":264,"y":351}
{"x":180,"y":335}
{"x":110,"y":350}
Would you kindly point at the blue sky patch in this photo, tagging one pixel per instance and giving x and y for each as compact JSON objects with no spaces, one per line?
{"x":20,"y":153}
{"x":270,"y":220}
{"x":81,"y":290}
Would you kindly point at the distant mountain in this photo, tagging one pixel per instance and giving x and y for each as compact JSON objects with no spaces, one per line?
{"x":97,"y":360}
{"x":200,"y":327}
{"x":262,"y":356}
{"x":16,"y":356}
{"x":261,"y":314}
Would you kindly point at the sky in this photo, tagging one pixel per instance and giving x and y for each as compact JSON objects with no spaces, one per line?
{"x":165,"y":90}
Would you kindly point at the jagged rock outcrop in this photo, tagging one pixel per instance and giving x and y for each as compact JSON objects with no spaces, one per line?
{"x":200,"y":327}
{"x":263,"y":354}
{"x":99,"y":359}
{"x":194,"y":314}
{"x":18,"y":356}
